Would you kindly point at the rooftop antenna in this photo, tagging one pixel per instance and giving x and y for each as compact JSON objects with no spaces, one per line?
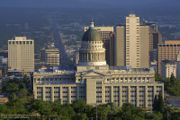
{"x":132,"y":13}
{"x":92,"y":23}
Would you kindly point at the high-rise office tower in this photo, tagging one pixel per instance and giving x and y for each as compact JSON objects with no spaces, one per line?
{"x":111,"y":54}
{"x":145,"y":44}
{"x":156,"y":36}
{"x":21,"y":54}
{"x":133,"y":50}
{"x":120,"y":46}
{"x":107,"y":35}
{"x":167,"y":50}
{"x":50,"y":55}
{"x":155,"y":39}
{"x":134,"y":42}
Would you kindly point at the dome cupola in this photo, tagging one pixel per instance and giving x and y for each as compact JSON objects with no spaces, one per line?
{"x":92,"y":52}
{"x":91,"y":34}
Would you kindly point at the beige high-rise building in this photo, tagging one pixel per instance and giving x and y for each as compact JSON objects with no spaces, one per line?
{"x":21,"y":54}
{"x":137,"y":43}
{"x":133,"y":50}
{"x":167,"y":50}
{"x":142,"y":39}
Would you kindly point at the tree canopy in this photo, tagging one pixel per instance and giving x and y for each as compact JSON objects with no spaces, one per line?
{"x":22,"y":102}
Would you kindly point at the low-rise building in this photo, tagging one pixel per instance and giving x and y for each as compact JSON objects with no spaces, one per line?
{"x":167,"y":50}
{"x":169,"y":68}
{"x":3,"y":99}
{"x":50,"y":55}
{"x":135,"y":86}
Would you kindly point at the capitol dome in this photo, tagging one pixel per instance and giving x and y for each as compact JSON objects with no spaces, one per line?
{"x":91,"y":35}
{"x":92,"y":52}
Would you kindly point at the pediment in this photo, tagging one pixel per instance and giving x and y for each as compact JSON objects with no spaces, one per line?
{"x":93,"y":73}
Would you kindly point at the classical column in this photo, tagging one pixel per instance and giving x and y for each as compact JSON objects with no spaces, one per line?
{"x":78,"y":93}
{"x":129,"y":94}
{"x":120,"y":96}
{"x":35,"y":91}
{"x":52,"y":93}
{"x":112,"y":97}
{"x":61,"y":96}
{"x":137,"y":96}
{"x":163,"y":91}
{"x":154,"y":91}
{"x":69,"y":94}
{"x":44,"y":93}
{"x":103,"y":93}
{"x":146,"y":96}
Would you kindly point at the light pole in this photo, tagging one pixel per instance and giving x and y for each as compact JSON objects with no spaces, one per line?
{"x":96,"y":112}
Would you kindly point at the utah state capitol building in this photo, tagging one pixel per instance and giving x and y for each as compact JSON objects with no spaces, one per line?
{"x":95,"y":82}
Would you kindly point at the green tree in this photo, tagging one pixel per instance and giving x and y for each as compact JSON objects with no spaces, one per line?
{"x":4,"y":109}
{"x":157,"y":116}
{"x":23,"y":92}
{"x":18,"y":106}
{"x":175,"y":115}
{"x":10,"y":87}
{"x":172,"y":79}
{"x":103,"y":111}
{"x":66,"y":112}
{"x":155,"y":103}
{"x":158,"y":103}
{"x":57,"y":107}
{"x":130,"y":112}
{"x":158,"y":77}
{"x":153,"y":116}
{"x":80,"y":116}
{"x":167,"y":113}
{"x":42,"y":107}
{"x":79,"y":106}
{"x":172,"y":86}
